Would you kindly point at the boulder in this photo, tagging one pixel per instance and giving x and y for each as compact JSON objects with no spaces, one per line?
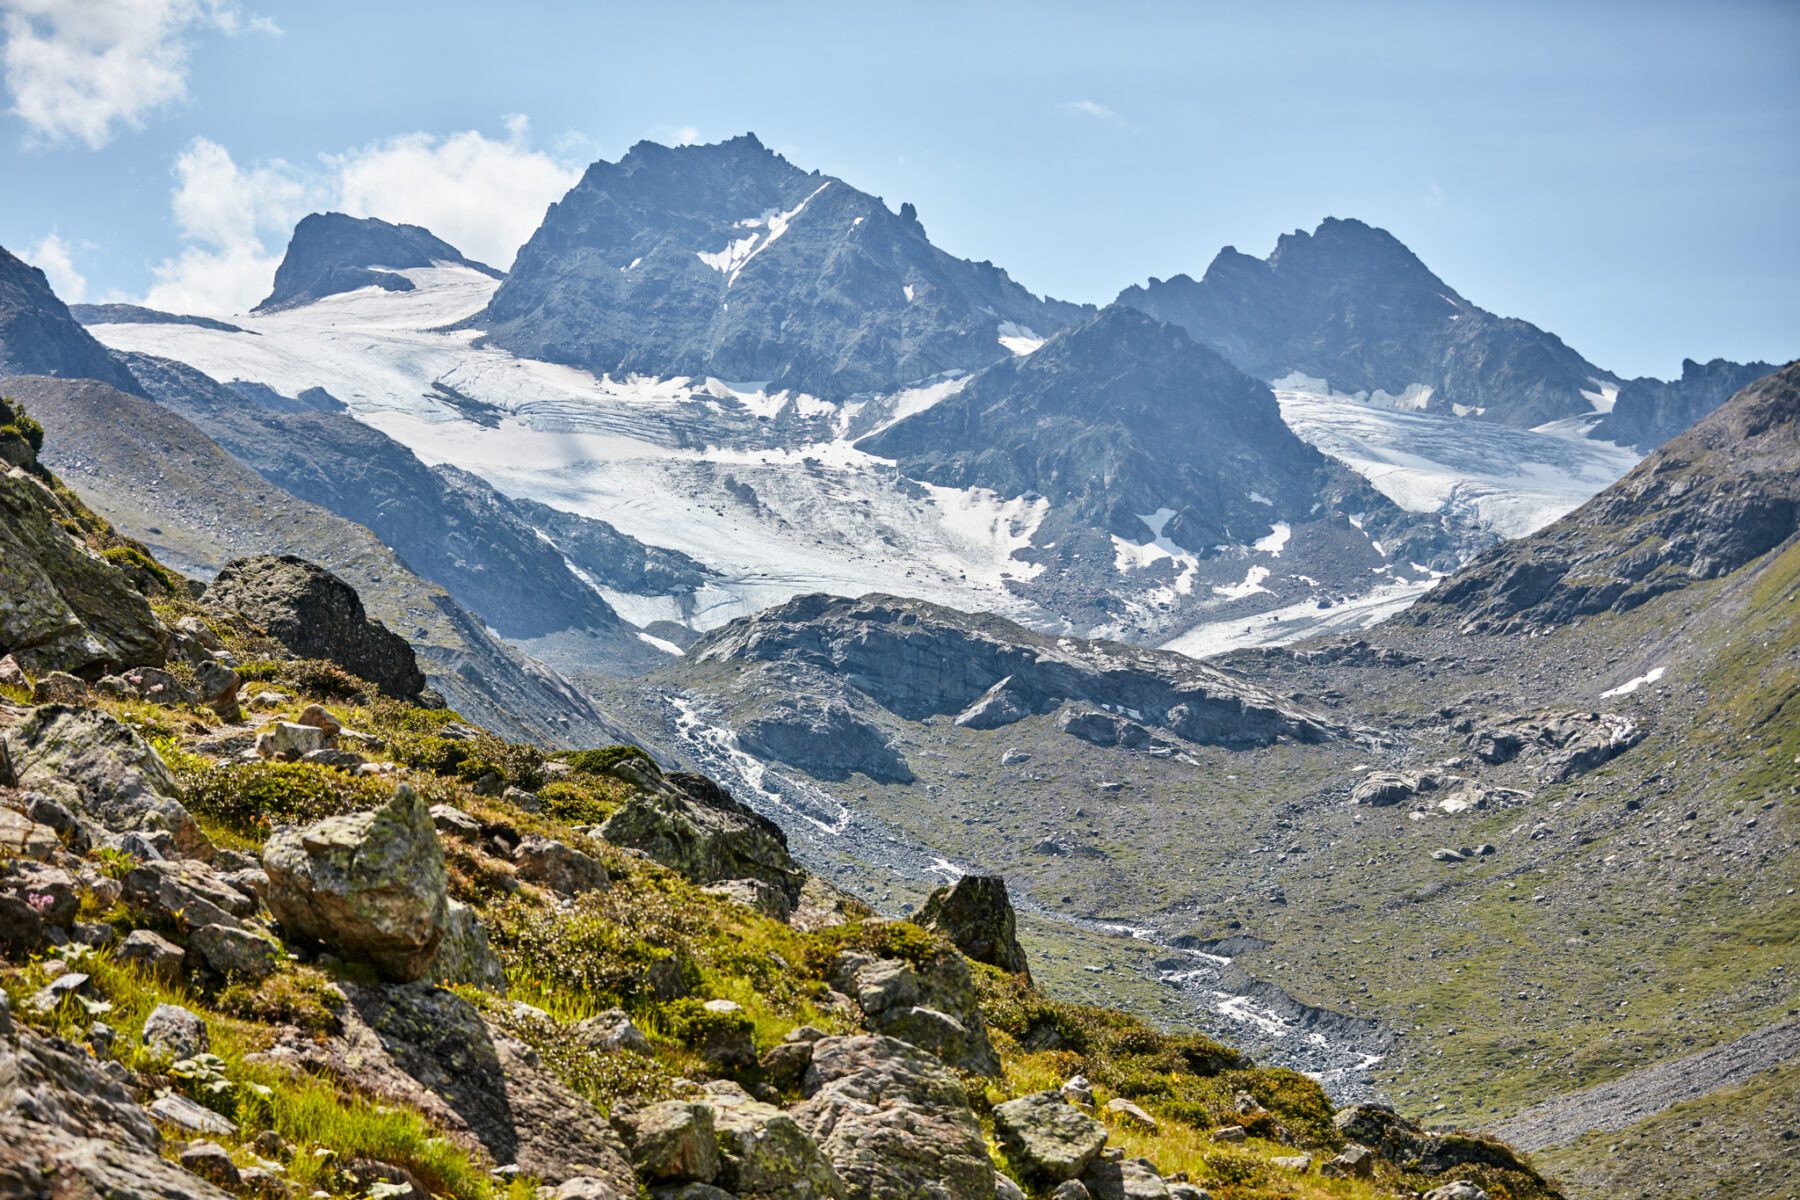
{"x":1124,"y":1179}
{"x":976,"y":915}
{"x":1413,"y":1148}
{"x":763,"y":1152}
{"x":558,"y":867}
{"x":65,"y":608}
{"x":671,"y":1142}
{"x":314,"y":614}
{"x":693,"y":826}
{"x":97,"y":766}
{"x":186,"y":893}
{"x":37,"y":903}
{"x":22,"y":837}
{"x":609,"y":1031}
{"x":932,"y":1004}
{"x":236,"y":954}
{"x":1383,"y":788}
{"x":60,"y":687}
{"x":152,"y":953}
{"x":210,"y":1161}
{"x":1129,"y":1114}
{"x":1352,"y":1162}
{"x":1047,"y":1139}
{"x":369,"y":887}
{"x":147,"y":683}
{"x":463,"y":956}
{"x":290,"y":741}
{"x":894,"y":1122}
{"x":1461,"y":1189}
{"x":175,"y":1032}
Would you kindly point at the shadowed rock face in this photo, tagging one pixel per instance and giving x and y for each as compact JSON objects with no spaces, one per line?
{"x":332,"y":253}
{"x":1348,"y":303}
{"x":317,"y":615}
{"x":729,"y":261}
{"x":1648,"y":412}
{"x":38,"y":336}
{"x":917,"y":660}
{"x":1702,"y":506}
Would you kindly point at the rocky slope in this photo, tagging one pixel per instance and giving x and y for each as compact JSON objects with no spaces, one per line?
{"x":198,"y":508}
{"x":1648,"y":412}
{"x":347,"y":946}
{"x":1350,"y":305}
{"x":332,"y":253}
{"x":727,"y":260}
{"x":39,"y":337}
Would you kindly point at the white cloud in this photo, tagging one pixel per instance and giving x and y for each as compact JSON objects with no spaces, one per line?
{"x":483,"y":196}
{"x":78,"y":69}
{"x":1088,"y":108}
{"x":226,"y":214}
{"x":55,"y":258}
{"x":686,"y":135}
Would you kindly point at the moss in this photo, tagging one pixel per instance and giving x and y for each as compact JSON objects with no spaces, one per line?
{"x":145,"y":573}
{"x":603,"y":760}
{"x":302,"y":996}
{"x":582,"y":801}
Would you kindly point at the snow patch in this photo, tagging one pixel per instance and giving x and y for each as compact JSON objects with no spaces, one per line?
{"x":1276,"y":541}
{"x":1632,"y":685}
{"x":769,"y":227}
{"x":1019,"y":339}
{"x":1248,"y":586}
{"x":667,"y":647}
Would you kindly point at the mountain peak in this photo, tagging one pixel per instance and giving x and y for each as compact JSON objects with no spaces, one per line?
{"x":333,"y":252}
{"x":39,"y":336}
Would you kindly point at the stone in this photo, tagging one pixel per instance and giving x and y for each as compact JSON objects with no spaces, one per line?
{"x":1229,"y":1133}
{"x":236,"y":954}
{"x":12,"y":675}
{"x":1077,"y":1090}
{"x":931,"y":1004}
{"x":1072,"y":1189}
{"x":1124,"y":1179}
{"x":152,"y":953}
{"x":210,"y":1161}
{"x":60,"y":687}
{"x":560,"y":868}
{"x":343,"y":760}
{"x":694,"y":827}
{"x":1353,"y":1162}
{"x":463,"y":956}
{"x":1187,"y":1191}
{"x":316,"y":615}
{"x":36,"y":901}
{"x":1383,"y":788}
{"x":586,"y":1187}
{"x":67,"y":608}
{"x":1300,"y":1163}
{"x":50,"y":997}
{"x":179,"y":1111}
{"x":370,"y":887}
{"x":784,"y":1065}
{"x":455,"y":822}
{"x":148,"y":683}
{"x":320,"y":718}
{"x":187,"y":893}
{"x":763,"y":1152}
{"x":48,"y":811}
{"x":21,"y":837}
{"x":671,"y":1141}
{"x":100,"y":768}
{"x":1047,"y":1139}
{"x":1127,"y":1113}
{"x":757,"y":894}
{"x":1006,"y":1189}
{"x":893,"y":1121}
{"x":175,"y":1032}
{"x":1461,"y":1189}
{"x":613,"y":1030}
{"x":976,"y":915}
{"x":289,"y":741}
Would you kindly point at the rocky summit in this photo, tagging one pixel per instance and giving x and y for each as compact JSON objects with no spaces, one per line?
{"x":332,"y":253}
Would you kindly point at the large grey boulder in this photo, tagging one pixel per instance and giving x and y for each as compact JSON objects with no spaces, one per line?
{"x":1124,"y":1179}
{"x":671,"y":1141}
{"x":1047,"y":1138}
{"x":894,"y":1122}
{"x":98,"y":766}
{"x":316,"y":615}
{"x":369,"y":887}
{"x":63,"y":607}
{"x":763,"y":1152}
{"x":976,"y":914}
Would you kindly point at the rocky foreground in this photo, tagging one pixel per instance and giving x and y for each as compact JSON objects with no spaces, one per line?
{"x":274,"y":922}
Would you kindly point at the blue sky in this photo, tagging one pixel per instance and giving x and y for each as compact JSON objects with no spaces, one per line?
{"x":1626,"y":175}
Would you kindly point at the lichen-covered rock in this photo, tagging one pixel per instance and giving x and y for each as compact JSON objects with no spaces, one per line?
{"x":37,"y":903}
{"x":1413,"y":1148}
{"x":175,"y":1032}
{"x":63,"y":607}
{"x":316,"y":615}
{"x":96,"y":765}
{"x":1124,"y":1179}
{"x":894,"y":1122}
{"x":931,"y":1004}
{"x":559,"y":867}
{"x":291,"y":741}
{"x":691,"y":825}
{"x":152,"y":953}
{"x":463,"y":956}
{"x":976,"y":914}
{"x":185,"y":893}
{"x":671,"y":1141}
{"x":1047,"y":1138}
{"x":370,"y":887}
{"x":763,"y":1152}
{"x":237,"y":954}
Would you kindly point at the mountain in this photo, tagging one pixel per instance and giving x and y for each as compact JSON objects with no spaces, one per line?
{"x":197,"y":508}
{"x":39,"y":337}
{"x":1351,"y":306}
{"x":137,"y":314}
{"x":729,"y":261}
{"x":1648,"y":412}
{"x":332,"y":253}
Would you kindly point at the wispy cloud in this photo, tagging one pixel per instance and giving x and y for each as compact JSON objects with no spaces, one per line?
{"x":77,"y":70}
{"x":1089,"y":108}
{"x":483,"y":195}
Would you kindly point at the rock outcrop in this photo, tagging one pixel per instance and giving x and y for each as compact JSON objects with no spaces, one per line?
{"x":1046,"y":1138}
{"x":976,"y":914}
{"x":693,"y":826}
{"x":317,"y":615}
{"x":332,"y":253}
